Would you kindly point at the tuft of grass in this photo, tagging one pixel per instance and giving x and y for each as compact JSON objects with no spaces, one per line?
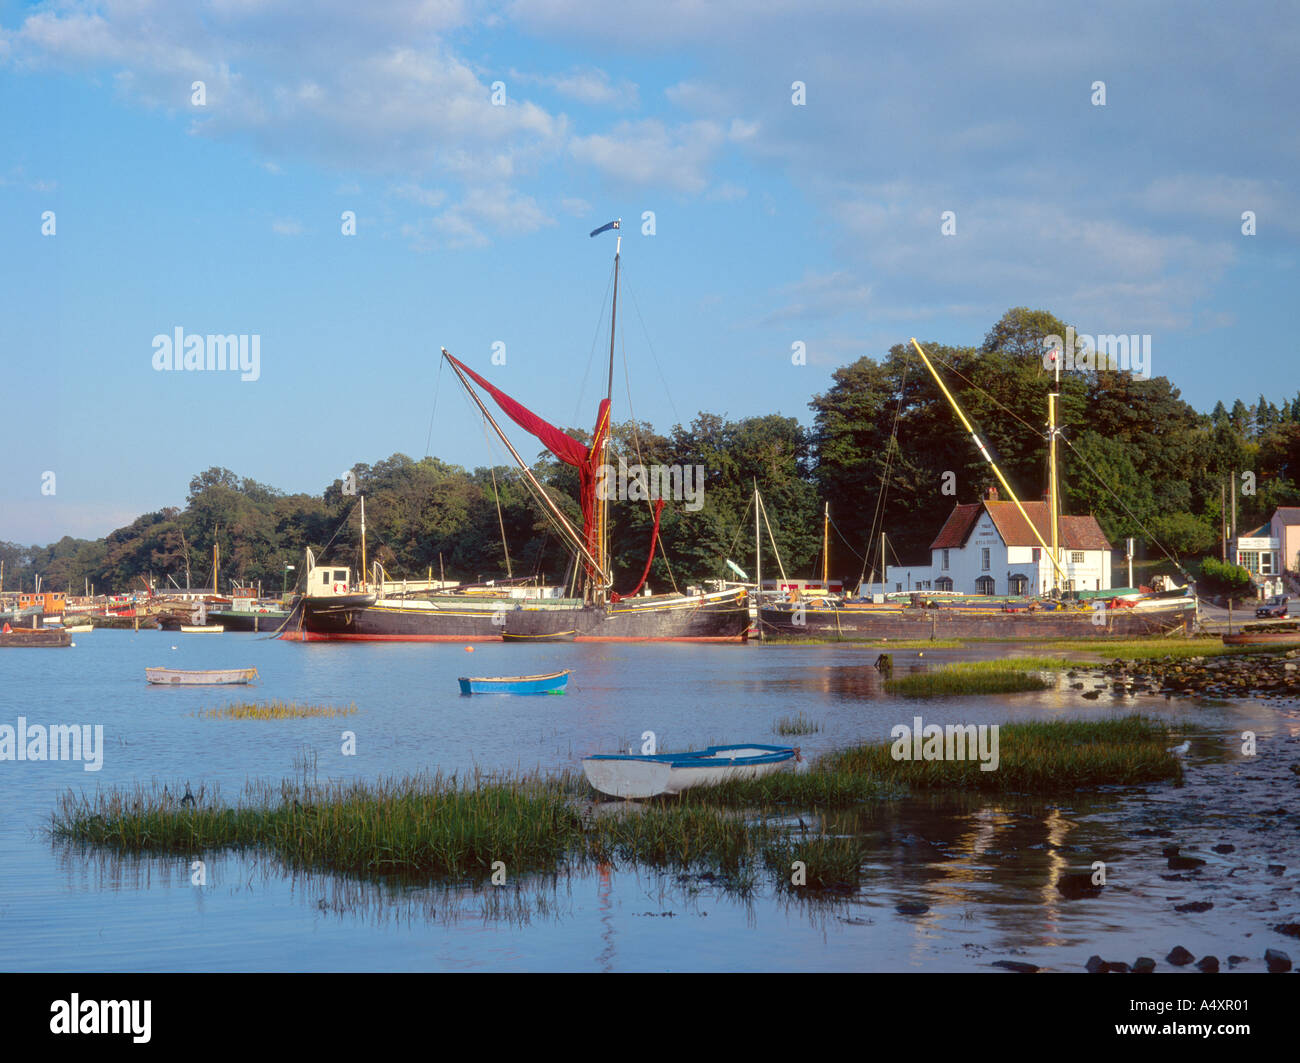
{"x":1008,"y":676}
{"x":1038,"y":758}
{"x":275,"y":710}
{"x":798,"y":724}
{"x":829,"y":863}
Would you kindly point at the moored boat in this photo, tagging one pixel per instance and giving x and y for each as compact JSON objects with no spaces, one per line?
{"x":648,"y":775}
{"x":213,"y":676}
{"x":32,"y":638}
{"x":1269,"y":636}
{"x":550,"y":683}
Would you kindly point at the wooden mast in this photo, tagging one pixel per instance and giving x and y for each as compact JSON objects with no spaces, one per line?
{"x":758,"y":566}
{"x":1053,"y":502}
{"x":601,"y":593}
{"x":826,"y":548}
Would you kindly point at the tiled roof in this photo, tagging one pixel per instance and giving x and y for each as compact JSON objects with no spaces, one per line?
{"x":1077,"y":533}
{"x":957,"y":527}
{"x":1288,"y":514}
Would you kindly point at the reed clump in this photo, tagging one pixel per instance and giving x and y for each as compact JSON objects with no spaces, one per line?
{"x":1011,"y":676}
{"x":275,"y":710}
{"x":799,"y":724}
{"x":1036,"y":758}
{"x":817,"y":863}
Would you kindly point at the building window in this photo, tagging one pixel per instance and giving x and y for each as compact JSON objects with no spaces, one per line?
{"x":1076,"y":557}
{"x":1018,"y":584}
{"x":1249,"y":560}
{"x":943,"y":583}
{"x":984,"y":585}
{"x":1035,"y":555}
{"x":945,"y":560}
{"x":1266,"y":563}
{"x":984,"y":560}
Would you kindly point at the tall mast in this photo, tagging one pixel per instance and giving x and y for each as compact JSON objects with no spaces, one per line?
{"x":1053,"y":504}
{"x":979,"y":445}
{"x":758,"y":566}
{"x":363,"y":539}
{"x":602,"y":503}
{"x":826,"y":548}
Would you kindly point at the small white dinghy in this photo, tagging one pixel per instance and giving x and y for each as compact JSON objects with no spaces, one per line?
{"x":630,"y":775}
{"x":221,"y":676}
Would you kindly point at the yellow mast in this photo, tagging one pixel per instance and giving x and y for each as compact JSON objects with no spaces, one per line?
{"x":826,"y":548}
{"x":365,"y":576}
{"x":979,"y":444}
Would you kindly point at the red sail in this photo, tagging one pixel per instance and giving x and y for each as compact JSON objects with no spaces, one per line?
{"x":569,"y":450}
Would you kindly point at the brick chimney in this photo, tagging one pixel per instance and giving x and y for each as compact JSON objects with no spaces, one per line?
{"x":993,"y":493}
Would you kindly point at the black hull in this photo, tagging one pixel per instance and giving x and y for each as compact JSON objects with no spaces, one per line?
{"x":265,"y":623}
{"x":849,"y":624}
{"x":357,"y":618}
{"x":707,"y":618}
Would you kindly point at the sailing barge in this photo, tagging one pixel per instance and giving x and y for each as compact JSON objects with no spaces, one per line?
{"x":336,"y":610}
{"x":1039,"y":530}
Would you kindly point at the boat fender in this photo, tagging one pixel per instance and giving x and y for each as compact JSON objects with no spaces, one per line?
{"x":797,"y":755}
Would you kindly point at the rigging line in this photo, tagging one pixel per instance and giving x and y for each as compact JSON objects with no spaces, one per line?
{"x":844,"y":540}
{"x":635,"y":306}
{"x":1122,"y":503}
{"x":878,"y":516}
{"x":636,"y":440}
{"x":1066,"y":440}
{"x":591,"y":356}
{"x":437,"y":384}
{"x":742,"y":526}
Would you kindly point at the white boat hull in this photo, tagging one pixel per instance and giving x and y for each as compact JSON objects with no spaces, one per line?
{"x":642,"y":777}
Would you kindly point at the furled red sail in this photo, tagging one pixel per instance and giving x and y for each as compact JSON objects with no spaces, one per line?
{"x":569,"y":450}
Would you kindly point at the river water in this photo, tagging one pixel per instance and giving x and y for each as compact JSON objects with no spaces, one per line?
{"x":984,"y":866}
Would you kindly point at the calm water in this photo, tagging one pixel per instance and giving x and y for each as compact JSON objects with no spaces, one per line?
{"x":983,"y":867}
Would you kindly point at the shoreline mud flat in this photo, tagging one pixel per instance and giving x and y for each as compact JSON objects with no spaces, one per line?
{"x":1198,"y":877}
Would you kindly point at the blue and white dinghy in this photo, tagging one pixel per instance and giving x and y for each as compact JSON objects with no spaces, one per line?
{"x":632,"y":775}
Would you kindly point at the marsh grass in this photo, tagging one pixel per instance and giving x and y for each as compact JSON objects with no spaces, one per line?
{"x":1152,"y":648}
{"x":454,"y":828}
{"x":1037,"y":758}
{"x":1009,"y":676}
{"x":274,"y":710}
{"x":798,"y":724}
{"x":829,"y":863}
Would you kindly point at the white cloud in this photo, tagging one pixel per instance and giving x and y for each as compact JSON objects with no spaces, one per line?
{"x":590,"y":86}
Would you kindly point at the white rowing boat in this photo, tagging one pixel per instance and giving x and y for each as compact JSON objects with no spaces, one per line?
{"x":177,"y":677}
{"x":629,"y":775}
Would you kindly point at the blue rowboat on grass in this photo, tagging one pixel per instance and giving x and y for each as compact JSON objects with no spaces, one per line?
{"x":630,"y":775}
{"x":551,"y":683}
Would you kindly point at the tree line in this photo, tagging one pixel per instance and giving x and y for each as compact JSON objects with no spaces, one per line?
{"x":884,"y":450}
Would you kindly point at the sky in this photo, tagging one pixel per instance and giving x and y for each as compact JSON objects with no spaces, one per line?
{"x":782,"y":169}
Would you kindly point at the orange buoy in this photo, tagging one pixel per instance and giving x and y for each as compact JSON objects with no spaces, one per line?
{"x":469,"y":649}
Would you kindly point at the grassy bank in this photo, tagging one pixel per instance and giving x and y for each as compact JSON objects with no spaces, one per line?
{"x":1008,"y":676}
{"x":1035,"y":758}
{"x":454,"y":828}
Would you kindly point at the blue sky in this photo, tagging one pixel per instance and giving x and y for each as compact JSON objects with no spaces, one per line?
{"x":774,"y":223}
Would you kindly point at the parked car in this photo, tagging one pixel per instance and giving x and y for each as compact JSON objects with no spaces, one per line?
{"x":1274,"y":608}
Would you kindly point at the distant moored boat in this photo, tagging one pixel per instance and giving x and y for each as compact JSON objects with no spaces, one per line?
{"x":550,"y":683}
{"x":177,"y":677}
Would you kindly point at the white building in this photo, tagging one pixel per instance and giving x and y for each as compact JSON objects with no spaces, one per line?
{"x":988,"y":548}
